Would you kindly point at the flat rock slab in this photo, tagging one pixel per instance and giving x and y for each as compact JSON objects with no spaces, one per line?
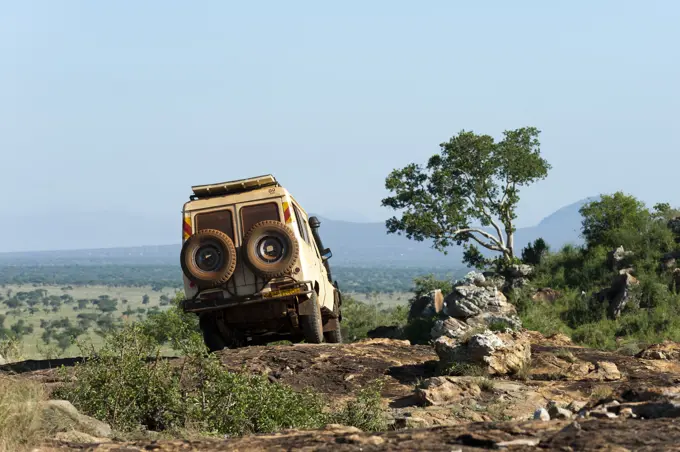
{"x":582,"y":435}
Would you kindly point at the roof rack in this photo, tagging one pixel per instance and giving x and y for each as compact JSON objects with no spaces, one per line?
{"x":232,"y":187}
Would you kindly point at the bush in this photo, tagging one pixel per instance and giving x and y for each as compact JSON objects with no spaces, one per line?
{"x":366,"y":411}
{"x":128,"y":384}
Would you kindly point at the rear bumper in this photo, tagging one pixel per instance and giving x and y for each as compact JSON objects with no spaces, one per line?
{"x":218,"y":301}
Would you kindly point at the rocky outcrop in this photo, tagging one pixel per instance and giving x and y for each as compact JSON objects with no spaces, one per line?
{"x":494,"y":353}
{"x":446,"y":390}
{"x":428,"y":305}
{"x":449,"y":327}
{"x":620,"y":259}
{"x":667,"y":350}
{"x":618,"y":295}
{"x":469,"y":300}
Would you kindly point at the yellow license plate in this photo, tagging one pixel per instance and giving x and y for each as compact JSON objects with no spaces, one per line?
{"x":282,"y":293}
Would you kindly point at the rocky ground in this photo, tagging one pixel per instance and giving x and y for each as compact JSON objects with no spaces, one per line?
{"x":595,"y":399}
{"x":485,"y":383}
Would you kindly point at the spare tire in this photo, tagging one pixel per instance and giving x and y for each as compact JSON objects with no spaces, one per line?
{"x":270,"y":249}
{"x":208,"y":258}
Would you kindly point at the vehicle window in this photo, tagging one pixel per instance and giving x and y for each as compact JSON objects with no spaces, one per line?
{"x":251,"y":215}
{"x":222,"y":220}
{"x":302,"y":224}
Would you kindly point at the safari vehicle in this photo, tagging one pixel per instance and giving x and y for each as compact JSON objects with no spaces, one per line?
{"x":255,"y":269}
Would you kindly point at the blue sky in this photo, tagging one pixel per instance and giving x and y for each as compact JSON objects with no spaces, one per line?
{"x":119,"y":107}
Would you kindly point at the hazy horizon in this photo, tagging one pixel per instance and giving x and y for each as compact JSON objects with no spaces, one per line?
{"x":111,"y":111}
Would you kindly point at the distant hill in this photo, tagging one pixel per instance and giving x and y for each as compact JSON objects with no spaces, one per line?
{"x":353,"y":244}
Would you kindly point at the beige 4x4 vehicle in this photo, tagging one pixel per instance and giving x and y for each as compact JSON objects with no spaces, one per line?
{"x":255,"y":269}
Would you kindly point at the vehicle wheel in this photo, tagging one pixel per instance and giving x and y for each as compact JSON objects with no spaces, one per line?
{"x":211,"y":333}
{"x":312,"y":325}
{"x":333,"y":337}
{"x":208,"y":258}
{"x":270,"y":249}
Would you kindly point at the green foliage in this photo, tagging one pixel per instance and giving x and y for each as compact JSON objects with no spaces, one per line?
{"x":358,"y":318}
{"x":473,"y":180}
{"x":128,"y":384}
{"x":581,"y":273}
{"x":365,"y":411}
{"x":533,"y":253}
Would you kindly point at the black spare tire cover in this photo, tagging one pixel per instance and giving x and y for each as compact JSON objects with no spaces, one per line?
{"x":208,"y":258}
{"x":270,"y":249}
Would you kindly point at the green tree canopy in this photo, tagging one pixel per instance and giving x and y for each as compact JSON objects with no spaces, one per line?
{"x":474,"y":180}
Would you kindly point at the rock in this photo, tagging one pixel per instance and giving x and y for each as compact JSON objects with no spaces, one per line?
{"x":546,"y":294}
{"x":487,"y":319}
{"x":497,"y":354}
{"x":541,"y":414}
{"x":653,"y":409}
{"x":619,"y":258}
{"x":449,"y":327}
{"x":604,"y":371}
{"x":444,"y":390}
{"x":75,"y":436}
{"x":61,"y":415}
{"x":386,"y":332}
{"x":520,"y":271}
{"x":2,"y":361}
{"x":601,"y":414}
{"x":529,"y":442}
{"x":577,"y":405}
{"x":627,"y":412}
{"x":428,"y":305}
{"x":666,"y":350}
{"x":557,"y":412}
{"x":619,"y":294}
{"x":409,"y":422}
{"x":472,"y":279}
{"x":468,"y":301}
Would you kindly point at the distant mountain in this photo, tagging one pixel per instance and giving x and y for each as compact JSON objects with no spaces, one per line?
{"x":353,"y":244}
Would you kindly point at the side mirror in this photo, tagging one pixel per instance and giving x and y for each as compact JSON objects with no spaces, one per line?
{"x":326,"y":254}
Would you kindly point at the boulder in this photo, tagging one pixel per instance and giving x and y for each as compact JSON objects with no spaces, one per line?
{"x":445,"y":390}
{"x":619,"y":258}
{"x":619,"y":294}
{"x":546,"y":294}
{"x":468,"y":301}
{"x":428,"y":305}
{"x":62,"y":416}
{"x":520,"y":271}
{"x":449,"y":327}
{"x":541,"y":414}
{"x":666,"y":350}
{"x":3,"y":361}
{"x":496,"y":354}
{"x":486,"y":320}
{"x":604,"y":371}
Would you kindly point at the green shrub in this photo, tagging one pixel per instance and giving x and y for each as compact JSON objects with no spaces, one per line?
{"x":366,"y":411}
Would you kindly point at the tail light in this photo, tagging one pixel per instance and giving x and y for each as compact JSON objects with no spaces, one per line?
{"x":186,"y":227}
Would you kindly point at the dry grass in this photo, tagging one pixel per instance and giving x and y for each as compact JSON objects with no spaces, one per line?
{"x":565,"y":355}
{"x":601,"y":392}
{"x":20,"y":427}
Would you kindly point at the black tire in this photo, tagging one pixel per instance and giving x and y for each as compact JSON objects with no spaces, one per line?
{"x":212,"y":338}
{"x":312,"y":325}
{"x":281,"y":236}
{"x":217,"y":245}
{"x":333,"y":337}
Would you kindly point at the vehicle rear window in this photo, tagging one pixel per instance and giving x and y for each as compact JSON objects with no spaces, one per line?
{"x":222,"y":220}
{"x":301,"y":223}
{"x":252,"y":215}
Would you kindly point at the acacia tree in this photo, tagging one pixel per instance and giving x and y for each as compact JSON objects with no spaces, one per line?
{"x":473,"y":180}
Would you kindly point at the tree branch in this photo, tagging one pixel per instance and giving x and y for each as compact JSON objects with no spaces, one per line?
{"x":497,"y":247}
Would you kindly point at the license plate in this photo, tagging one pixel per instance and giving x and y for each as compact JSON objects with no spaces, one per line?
{"x":282,"y":293}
